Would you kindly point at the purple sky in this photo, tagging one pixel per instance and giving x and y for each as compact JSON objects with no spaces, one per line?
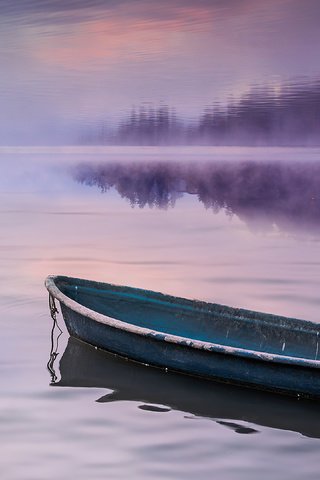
{"x":68,"y":66}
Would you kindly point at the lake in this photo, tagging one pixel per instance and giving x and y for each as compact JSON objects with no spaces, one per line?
{"x":172,"y":146}
{"x":189,"y":223}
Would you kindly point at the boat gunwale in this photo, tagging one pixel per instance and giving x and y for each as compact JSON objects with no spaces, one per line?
{"x":54,"y":290}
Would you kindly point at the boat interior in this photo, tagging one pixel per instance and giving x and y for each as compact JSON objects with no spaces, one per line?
{"x":196,"y":320}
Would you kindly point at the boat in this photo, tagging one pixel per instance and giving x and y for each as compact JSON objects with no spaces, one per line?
{"x":241,"y":409}
{"x":197,"y":338}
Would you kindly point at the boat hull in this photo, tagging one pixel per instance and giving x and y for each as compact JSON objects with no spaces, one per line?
{"x":291,"y":379}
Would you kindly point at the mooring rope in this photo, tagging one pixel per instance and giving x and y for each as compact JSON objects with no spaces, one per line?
{"x":54,"y":343}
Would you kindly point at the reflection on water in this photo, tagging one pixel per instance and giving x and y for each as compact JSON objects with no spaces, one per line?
{"x":277,"y":194}
{"x":287,"y":115}
{"x":237,"y":428}
{"x":232,"y":71}
{"x":82,"y":365}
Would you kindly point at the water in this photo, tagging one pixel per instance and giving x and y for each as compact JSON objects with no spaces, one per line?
{"x":172,"y":146}
{"x":104,"y":416}
{"x":149,"y":72}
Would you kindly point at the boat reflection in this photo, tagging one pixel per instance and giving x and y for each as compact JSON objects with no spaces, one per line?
{"x":282,"y":194}
{"x":83,"y":366}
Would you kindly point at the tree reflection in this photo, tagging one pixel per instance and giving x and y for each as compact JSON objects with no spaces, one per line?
{"x":278,"y":115}
{"x":281,"y":194}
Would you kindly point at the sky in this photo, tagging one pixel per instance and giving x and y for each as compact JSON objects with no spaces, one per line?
{"x":68,"y":67}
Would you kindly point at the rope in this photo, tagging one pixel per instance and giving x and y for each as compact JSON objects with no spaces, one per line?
{"x":54,"y":342}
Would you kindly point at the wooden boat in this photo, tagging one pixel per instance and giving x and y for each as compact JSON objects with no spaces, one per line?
{"x":203,"y":339}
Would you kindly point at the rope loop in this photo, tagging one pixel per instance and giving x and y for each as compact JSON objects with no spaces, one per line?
{"x":53,"y":308}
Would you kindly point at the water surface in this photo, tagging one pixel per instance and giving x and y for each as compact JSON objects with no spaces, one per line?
{"x":140,"y":71}
{"x":172,"y":146}
{"x":107,"y":417}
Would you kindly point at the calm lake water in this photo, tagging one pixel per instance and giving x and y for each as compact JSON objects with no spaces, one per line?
{"x":148,"y":217}
{"x":172,"y":146}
